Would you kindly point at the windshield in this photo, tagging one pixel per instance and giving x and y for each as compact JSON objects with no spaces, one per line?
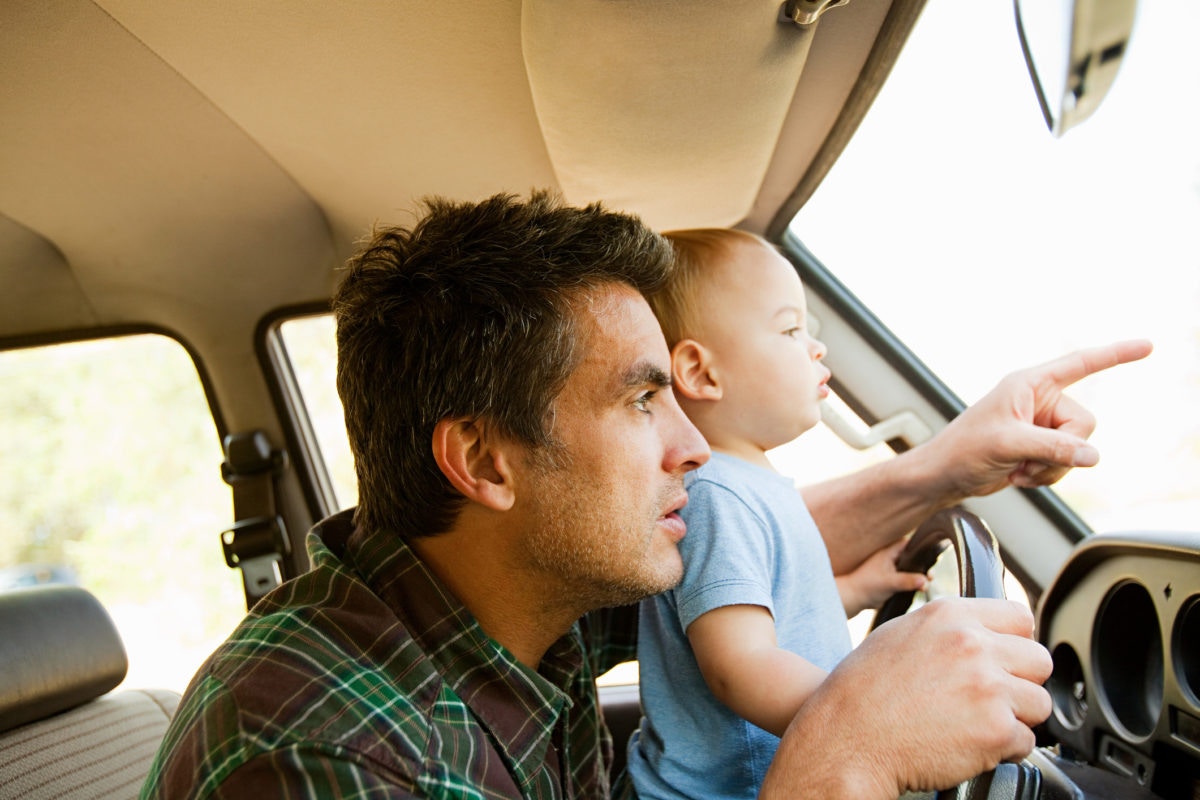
{"x":986,"y":245}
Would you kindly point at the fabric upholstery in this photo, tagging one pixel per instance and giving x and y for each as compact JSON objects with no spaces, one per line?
{"x":102,"y":749}
{"x":63,"y":732}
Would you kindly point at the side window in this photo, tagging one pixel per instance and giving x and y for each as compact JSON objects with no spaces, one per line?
{"x":112,"y":481}
{"x":311,"y":349}
{"x":995,"y":246}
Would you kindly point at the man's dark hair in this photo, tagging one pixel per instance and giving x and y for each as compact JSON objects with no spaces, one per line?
{"x":469,"y":314}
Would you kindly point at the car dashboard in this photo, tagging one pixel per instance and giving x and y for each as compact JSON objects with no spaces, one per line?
{"x":1122,"y":623}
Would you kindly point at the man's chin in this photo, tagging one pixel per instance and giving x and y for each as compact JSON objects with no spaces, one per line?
{"x":666,"y":577}
{"x":669,"y":574}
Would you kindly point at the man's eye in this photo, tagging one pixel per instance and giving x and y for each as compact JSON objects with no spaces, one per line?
{"x":642,"y":403}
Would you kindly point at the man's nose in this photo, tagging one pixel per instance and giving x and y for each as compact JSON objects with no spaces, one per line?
{"x":686,"y":447}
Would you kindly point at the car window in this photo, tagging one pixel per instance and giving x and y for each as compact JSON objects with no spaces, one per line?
{"x":992,"y":245}
{"x":112,"y":480}
{"x":312,"y":354}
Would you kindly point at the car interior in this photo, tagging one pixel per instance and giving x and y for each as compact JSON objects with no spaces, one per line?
{"x":180,"y":185}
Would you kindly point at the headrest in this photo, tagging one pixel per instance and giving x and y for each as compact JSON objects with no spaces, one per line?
{"x":58,"y":649}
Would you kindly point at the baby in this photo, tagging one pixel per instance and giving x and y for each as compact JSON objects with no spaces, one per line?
{"x":728,"y":657}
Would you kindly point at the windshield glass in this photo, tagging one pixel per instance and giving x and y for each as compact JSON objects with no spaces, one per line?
{"x":986,"y":245}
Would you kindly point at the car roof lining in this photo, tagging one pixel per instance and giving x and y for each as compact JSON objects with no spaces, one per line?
{"x":182,"y":165}
{"x":895,"y":28}
{"x":680,"y":123}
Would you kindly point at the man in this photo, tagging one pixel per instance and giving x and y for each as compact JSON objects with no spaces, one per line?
{"x":520,"y":459}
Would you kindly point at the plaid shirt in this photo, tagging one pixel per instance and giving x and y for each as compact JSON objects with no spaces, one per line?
{"x":365,"y":677}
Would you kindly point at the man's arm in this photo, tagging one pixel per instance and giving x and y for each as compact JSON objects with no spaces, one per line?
{"x":1025,"y":432}
{"x":927,"y":701}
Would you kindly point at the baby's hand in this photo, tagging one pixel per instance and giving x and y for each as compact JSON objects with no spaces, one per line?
{"x":877,"y":579}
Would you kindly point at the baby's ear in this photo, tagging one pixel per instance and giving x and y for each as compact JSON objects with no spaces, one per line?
{"x":693,"y":372}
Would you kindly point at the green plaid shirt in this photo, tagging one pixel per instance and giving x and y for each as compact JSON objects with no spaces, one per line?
{"x":365,"y":677}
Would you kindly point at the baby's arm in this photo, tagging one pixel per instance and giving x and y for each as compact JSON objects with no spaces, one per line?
{"x":877,"y":579}
{"x":745,"y":668}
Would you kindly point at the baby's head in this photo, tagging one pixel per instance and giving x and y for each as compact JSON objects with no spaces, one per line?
{"x":744,"y":367}
{"x":702,"y":257}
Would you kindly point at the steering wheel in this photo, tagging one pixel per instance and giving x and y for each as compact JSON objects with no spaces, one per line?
{"x":980,"y":574}
{"x":980,"y":570}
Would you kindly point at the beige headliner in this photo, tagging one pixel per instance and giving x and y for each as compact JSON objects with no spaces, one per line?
{"x":195,"y":165}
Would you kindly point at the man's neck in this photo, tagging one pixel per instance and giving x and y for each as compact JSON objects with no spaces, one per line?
{"x":511,"y":606}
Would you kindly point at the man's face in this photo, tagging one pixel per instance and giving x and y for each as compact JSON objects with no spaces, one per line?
{"x":602,"y":516}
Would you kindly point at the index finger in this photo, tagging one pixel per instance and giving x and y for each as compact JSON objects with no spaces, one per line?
{"x":1076,"y":366}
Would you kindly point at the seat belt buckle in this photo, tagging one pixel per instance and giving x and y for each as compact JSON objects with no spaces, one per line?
{"x":256,"y":546}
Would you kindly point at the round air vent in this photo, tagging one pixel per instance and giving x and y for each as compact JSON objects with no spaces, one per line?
{"x":1187,"y":648}
{"x":1128,"y":653}
{"x":1067,"y":688}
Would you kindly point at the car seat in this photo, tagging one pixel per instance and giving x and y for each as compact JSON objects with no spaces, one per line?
{"x":63,"y":732}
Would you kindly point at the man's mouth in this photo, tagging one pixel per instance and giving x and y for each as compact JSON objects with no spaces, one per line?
{"x":675,"y":526}
{"x":671,"y":520}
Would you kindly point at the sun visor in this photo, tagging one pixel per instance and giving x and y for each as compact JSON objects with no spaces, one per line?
{"x":671,"y":110}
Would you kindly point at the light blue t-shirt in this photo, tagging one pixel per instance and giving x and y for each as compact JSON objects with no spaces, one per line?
{"x":750,"y":541}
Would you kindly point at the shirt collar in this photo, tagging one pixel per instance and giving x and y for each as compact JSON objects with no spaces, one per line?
{"x":519,"y":707}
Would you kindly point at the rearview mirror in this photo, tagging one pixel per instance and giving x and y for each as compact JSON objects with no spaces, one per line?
{"x":1073,"y":49}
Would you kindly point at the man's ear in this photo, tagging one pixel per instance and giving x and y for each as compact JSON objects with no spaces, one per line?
{"x":693,"y":373}
{"x":475,"y":461}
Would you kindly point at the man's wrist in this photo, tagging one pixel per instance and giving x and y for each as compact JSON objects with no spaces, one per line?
{"x":925,"y":473}
{"x":816,"y":759}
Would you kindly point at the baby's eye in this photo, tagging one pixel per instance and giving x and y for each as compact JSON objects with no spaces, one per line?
{"x":642,"y":403}
{"x":795,"y":332}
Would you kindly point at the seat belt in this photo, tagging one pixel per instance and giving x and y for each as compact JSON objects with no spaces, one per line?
{"x":257,"y":542}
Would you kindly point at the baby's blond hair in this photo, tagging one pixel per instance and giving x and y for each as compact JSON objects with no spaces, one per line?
{"x":698,"y":251}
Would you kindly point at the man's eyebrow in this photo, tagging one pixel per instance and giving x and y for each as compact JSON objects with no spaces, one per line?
{"x":644,"y":372}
